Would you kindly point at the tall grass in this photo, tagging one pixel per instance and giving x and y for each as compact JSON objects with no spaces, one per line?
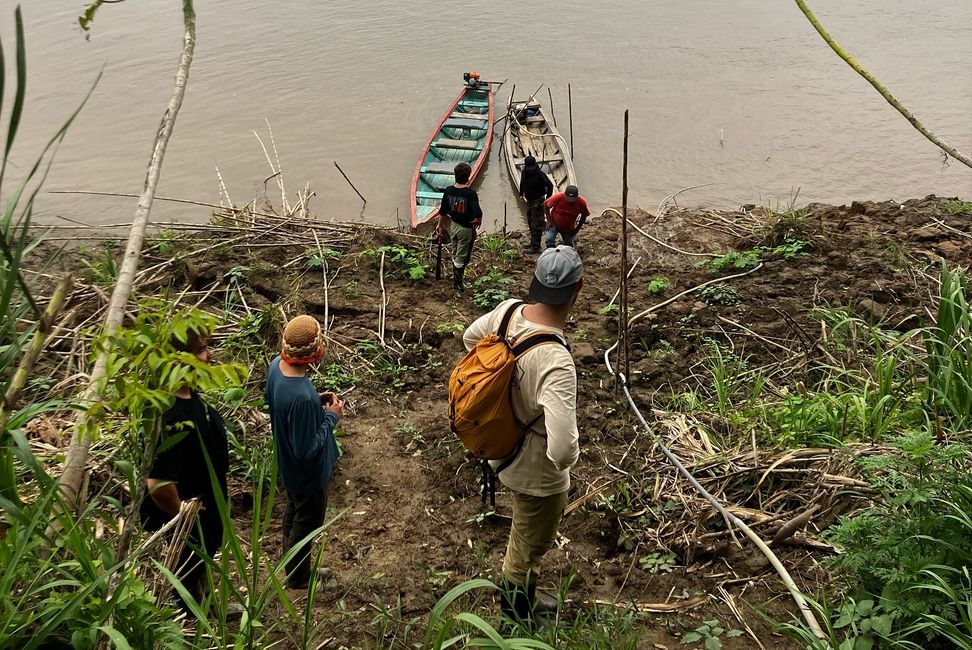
{"x":949,"y":352}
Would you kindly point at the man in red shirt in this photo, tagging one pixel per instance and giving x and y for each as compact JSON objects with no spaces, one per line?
{"x":566,"y":213}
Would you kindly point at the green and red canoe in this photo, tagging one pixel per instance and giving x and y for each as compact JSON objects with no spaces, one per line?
{"x":464,"y":134}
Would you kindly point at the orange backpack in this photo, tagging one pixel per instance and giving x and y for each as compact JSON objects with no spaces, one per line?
{"x":480,"y":409}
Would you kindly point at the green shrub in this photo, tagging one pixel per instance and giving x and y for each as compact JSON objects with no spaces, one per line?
{"x":399,"y":260}
{"x":919,"y":522}
{"x":489,"y":289}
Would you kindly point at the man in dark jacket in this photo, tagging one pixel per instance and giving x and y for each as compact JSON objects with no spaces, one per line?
{"x":535,"y":188}
{"x":192,"y":431}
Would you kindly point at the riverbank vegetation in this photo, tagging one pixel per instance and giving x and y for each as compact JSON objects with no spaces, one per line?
{"x":826,"y":404}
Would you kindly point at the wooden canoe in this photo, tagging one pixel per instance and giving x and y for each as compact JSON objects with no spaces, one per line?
{"x":529,"y":132}
{"x":464,"y":134}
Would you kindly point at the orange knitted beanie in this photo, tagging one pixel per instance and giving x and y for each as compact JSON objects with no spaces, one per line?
{"x":302,"y":341}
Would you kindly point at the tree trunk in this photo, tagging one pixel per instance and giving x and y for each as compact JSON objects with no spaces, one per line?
{"x":75,"y":462}
{"x":878,"y":86}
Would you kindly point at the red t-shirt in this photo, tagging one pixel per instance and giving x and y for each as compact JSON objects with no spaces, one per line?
{"x":566,"y":214}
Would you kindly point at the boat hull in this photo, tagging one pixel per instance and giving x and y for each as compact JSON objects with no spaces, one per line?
{"x":532,"y":133}
{"x":463,"y":134}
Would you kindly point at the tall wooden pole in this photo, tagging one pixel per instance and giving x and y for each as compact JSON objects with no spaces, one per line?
{"x":624,"y":347}
{"x":570,"y":120}
{"x":552,"y":115}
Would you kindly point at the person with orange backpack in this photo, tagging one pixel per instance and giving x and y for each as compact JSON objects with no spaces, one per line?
{"x":513,"y":400}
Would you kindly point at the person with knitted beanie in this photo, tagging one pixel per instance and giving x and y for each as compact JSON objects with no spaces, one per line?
{"x":303,"y":423}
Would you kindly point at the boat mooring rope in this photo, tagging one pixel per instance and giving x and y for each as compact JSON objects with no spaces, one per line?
{"x":733,"y":520}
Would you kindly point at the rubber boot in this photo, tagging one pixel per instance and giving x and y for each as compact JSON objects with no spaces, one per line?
{"x":516,"y":605}
{"x":457,"y":284}
{"x":534,"y":245}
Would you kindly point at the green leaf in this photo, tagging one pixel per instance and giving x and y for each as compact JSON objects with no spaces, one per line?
{"x":691,"y":637}
{"x":713,"y":643}
{"x":116,"y":637}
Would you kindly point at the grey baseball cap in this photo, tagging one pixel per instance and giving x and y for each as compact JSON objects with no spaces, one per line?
{"x":556,"y":276}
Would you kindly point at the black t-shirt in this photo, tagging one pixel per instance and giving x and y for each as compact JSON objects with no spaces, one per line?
{"x":534,"y":184}
{"x":461,"y":204}
{"x":198,"y":424}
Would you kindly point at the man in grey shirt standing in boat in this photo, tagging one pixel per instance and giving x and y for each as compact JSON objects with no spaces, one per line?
{"x":545,"y":384}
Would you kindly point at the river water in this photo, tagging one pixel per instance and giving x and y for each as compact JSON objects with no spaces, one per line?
{"x":741,"y":95}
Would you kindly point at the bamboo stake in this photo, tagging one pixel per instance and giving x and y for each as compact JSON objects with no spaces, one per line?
{"x":363,"y":199}
{"x":381,"y":307}
{"x":550,"y":97}
{"x":72,"y":473}
{"x":623,"y":301}
{"x":570,"y":120}
{"x":878,"y":86}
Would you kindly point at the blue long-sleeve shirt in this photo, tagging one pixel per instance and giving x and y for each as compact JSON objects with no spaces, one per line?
{"x":303,"y":432}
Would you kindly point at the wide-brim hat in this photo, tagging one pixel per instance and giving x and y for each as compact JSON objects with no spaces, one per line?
{"x":557,"y":274}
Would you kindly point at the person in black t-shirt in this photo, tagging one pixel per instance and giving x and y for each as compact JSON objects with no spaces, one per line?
{"x":180,"y":472}
{"x":535,"y":188}
{"x":460,"y":203}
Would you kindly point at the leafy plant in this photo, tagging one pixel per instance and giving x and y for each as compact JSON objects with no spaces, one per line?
{"x":719,"y":294}
{"x":450,"y":328}
{"x":864,"y":624}
{"x":611,"y":309}
{"x":658,"y":562}
{"x":709,"y":633}
{"x":734,"y":260}
{"x":657,"y":285}
{"x":489,"y":289}
{"x":789,"y":249}
{"x":399,"y":259}
{"x":317,"y":258}
{"x":918,"y":523}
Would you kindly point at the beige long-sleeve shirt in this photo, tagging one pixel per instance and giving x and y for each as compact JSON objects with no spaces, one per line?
{"x":545,"y":382}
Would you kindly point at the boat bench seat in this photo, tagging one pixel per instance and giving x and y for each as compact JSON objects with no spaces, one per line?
{"x":448,"y":143}
{"x":462,"y":123}
{"x":433,"y":196}
{"x":469,"y":116}
{"x":440,"y":168}
{"x":552,"y":159}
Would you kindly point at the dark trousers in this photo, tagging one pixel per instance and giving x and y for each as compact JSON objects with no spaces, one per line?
{"x":303,"y":515}
{"x":206,"y":539}
{"x":193,"y":573}
{"x":535,"y":220}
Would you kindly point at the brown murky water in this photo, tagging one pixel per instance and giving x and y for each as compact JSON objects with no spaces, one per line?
{"x":740,"y":95}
